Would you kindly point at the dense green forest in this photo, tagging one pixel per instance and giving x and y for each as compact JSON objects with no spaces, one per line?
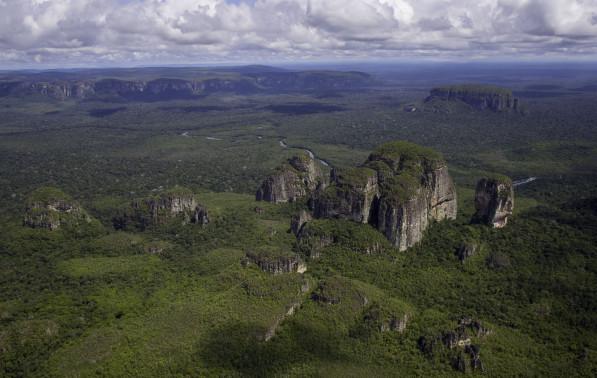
{"x":177,"y":298}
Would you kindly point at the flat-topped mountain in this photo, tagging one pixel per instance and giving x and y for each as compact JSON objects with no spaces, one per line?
{"x":480,"y":97}
{"x":139,"y":85}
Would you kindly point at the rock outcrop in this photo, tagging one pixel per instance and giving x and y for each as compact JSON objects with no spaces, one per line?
{"x":457,"y":346}
{"x":275,"y":261}
{"x":175,"y":203}
{"x":399,"y":190}
{"x":50,"y":208}
{"x":293,"y":180}
{"x":480,"y":97}
{"x":318,"y":234}
{"x":494,"y":201}
{"x":467,"y":250}
{"x":298,"y":221}
{"x":386,"y":319}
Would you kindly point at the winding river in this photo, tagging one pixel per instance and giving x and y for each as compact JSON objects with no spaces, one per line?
{"x":525,"y":181}
{"x":283,"y":144}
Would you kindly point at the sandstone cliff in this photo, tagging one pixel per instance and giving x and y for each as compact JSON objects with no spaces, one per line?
{"x":199,"y":84}
{"x":399,"y":190}
{"x":291,"y":181}
{"x":494,"y":201}
{"x":50,"y":208}
{"x":275,"y":261}
{"x":480,"y":97}
{"x":175,"y":203}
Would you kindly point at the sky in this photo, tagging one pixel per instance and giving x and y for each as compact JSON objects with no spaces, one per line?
{"x":96,"y":33}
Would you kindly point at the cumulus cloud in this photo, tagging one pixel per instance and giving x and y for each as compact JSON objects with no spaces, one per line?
{"x":99,"y":32}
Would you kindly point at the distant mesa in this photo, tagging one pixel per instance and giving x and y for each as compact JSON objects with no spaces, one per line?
{"x":175,"y":203}
{"x":293,"y":180}
{"x":275,"y":261}
{"x":494,"y":201}
{"x":480,"y":97}
{"x":50,"y":208}
{"x":233,"y":80}
{"x":399,"y":190}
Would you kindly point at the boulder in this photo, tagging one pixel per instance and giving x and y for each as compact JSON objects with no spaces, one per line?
{"x":494,"y":201}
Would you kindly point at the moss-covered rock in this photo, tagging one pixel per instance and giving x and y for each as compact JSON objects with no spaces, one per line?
{"x":175,"y":203}
{"x":50,"y":208}
{"x":399,"y":190}
{"x":293,"y":180}
{"x":275,"y":260}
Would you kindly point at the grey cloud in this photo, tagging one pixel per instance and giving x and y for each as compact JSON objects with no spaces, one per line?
{"x":96,"y":32}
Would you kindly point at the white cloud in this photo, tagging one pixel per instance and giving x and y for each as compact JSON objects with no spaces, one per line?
{"x":95,"y":32}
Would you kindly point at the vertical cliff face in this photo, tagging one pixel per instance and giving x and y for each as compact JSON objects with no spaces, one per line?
{"x":494,"y":201}
{"x":480,"y":97}
{"x":351,"y":196}
{"x":177,"y":202}
{"x":399,"y":190}
{"x":275,"y":261}
{"x":291,"y":181}
{"x":50,"y":208}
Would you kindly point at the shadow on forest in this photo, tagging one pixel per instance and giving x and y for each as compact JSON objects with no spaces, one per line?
{"x":240,"y":347}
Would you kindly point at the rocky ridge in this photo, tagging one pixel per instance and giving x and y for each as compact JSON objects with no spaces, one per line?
{"x":204,"y":84}
{"x":480,"y":97}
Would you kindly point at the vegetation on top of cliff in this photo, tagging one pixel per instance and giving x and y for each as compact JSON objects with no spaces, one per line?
{"x":400,"y":188}
{"x":356,"y":176}
{"x":176,"y":191}
{"x":270,"y":253}
{"x":403,"y":155}
{"x":474,"y":89}
{"x":499,"y":178}
{"x":354,"y":236}
{"x":46,"y":195}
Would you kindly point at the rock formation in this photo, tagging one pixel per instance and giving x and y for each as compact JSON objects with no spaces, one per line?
{"x":399,"y":190}
{"x":291,"y":181}
{"x":275,"y":261}
{"x":494,"y":201}
{"x":50,"y":208}
{"x":177,"y":202}
{"x":385,"y":319}
{"x":257,"y":81}
{"x":317,"y":234}
{"x":480,"y":97}
{"x":466,"y":250}
{"x":457,"y":345}
{"x":298,"y":221}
